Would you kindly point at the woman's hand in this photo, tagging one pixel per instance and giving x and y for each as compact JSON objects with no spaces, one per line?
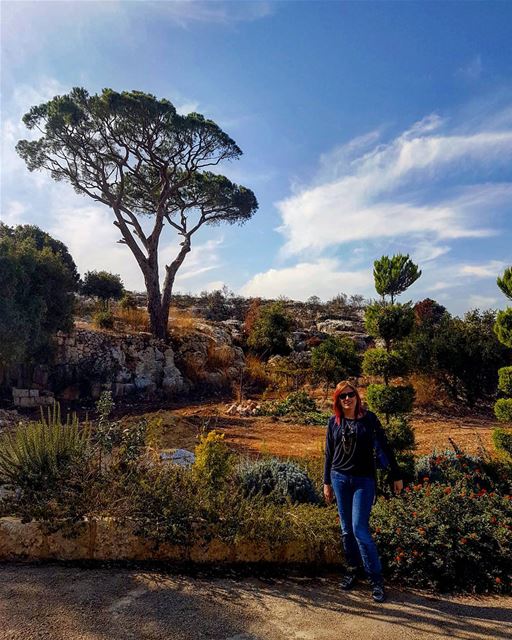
{"x":328,"y":493}
{"x":398,"y":485}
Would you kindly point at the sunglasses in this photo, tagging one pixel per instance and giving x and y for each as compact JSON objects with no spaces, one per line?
{"x":344,"y":396}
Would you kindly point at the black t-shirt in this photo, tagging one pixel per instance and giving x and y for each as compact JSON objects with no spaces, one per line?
{"x":349,"y":447}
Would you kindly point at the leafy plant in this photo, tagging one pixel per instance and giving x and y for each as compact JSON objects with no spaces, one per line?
{"x":502,"y":438}
{"x":335,"y":359}
{"x":270,"y":330}
{"x":386,"y":364}
{"x":104,"y":319}
{"x":280,"y":481}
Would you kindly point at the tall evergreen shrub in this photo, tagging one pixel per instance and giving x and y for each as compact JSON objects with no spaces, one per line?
{"x":503,"y":329}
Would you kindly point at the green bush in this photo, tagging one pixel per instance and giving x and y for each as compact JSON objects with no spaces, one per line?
{"x":387,"y":401}
{"x":505,"y":380}
{"x":444,"y":537}
{"x":502,"y":438}
{"x":104,"y":319}
{"x":335,"y":359}
{"x":391,"y":322}
{"x":279,"y":480}
{"x":400,"y":433}
{"x":270,"y":330}
{"x":299,"y":404}
{"x":128,"y":301}
{"x":41,"y":455}
{"x":503,"y":327}
{"x":452,"y":467}
{"x":214,"y":461}
{"x":503,"y":409}
{"x":386,"y":364}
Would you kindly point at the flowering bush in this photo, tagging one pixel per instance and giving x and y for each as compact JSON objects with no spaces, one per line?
{"x":446,"y":537}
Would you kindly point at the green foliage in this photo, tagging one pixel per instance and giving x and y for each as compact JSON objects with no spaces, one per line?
{"x":214,"y":461}
{"x":298,"y":404}
{"x":502,"y":438}
{"x":505,"y":380}
{"x":455,"y":466}
{"x":446,"y":538}
{"x":335,"y":359}
{"x":280,"y":481}
{"x":387,"y":364}
{"x":102,"y":285}
{"x":505,"y":282}
{"x":386,"y":401}
{"x":128,"y":301}
{"x":462,"y":355}
{"x":37,"y":281}
{"x":503,"y":409}
{"x":104,"y":319}
{"x":392,"y":323}
{"x":41,"y":455}
{"x":394,"y":275}
{"x":503,"y":327}
{"x":270,"y":331}
{"x":400,"y":434}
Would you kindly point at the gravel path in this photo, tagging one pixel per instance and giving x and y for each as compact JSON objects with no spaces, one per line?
{"x":70,"y":603}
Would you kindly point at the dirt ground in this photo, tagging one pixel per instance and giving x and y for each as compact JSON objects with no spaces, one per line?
{"x":285,"y":437}
{"x":69,"y":603}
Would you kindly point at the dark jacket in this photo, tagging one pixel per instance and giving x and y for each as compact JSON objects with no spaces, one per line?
{"x":357,"y":457}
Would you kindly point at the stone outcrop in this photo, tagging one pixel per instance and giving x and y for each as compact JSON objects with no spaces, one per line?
{"x":90,"y":361}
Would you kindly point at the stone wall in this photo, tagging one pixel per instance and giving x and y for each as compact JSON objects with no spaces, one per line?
{"x":108,"y":540}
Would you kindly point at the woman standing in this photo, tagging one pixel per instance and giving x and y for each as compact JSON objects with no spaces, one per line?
{"x":349,"y":475}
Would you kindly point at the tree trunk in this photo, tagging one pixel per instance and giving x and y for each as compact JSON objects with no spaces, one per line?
{"x":158,"y":314}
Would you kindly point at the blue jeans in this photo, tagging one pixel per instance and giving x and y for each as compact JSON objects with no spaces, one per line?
{"x":354,"y":497}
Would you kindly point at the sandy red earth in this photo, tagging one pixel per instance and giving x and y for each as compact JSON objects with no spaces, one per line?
{"x":285,"y":437}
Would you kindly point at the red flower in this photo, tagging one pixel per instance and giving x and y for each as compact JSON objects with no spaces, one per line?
{"x":497,"y":580}
{"x":447,"y":490}
{"x":426,"y":479}
{"x":408,"y":489}
{"x":493,"y":519}
{"x":463,"y":540}
{"x":414,"y":514}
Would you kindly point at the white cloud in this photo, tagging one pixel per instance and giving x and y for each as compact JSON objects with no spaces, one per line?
{"x":324,"y":278}
{"x":387,"y":192}
{"x":488,"y":270}
{"x":482,"y":302}
{"x":187,"y":12}
{"x":13,"y":213}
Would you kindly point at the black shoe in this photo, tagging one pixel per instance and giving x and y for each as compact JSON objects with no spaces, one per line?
{"x":378,"y":592}
{"x":348,"y":581}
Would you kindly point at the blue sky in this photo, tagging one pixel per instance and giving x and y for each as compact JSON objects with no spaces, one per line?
{"x":368,"y":128}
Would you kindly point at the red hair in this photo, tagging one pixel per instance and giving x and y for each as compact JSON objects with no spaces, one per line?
{"x":338,"y":409}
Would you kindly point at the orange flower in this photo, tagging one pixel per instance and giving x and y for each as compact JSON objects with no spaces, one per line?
{"x":414,"y":514}
{"x":398,"y":531}
{"x":421,"y":530}
{"x":426,"y":479}
{"x":377,"y":529}
{"x":497,"y":580}
{"x":463,"y":540}
{"x":447,"y":490}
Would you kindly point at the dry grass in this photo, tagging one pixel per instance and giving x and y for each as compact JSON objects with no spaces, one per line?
{"x":134,"y":319}
{"x":182,"y":322}
{"x":429,"y":395}
{"x":256,"y":373}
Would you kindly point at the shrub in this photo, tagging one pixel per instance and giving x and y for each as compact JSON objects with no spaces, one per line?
{"x":39,"y":455}
{"x":400,"y":434}
{"x":214,"y":462}
{"x":387,"y":364}
{"x":280,"y":481}
{"x":503,"y":326}
{"x":445,"y":537}
{"x":335,"y":359}
{"x":503,"y":409}
{"x":298,"y":404}
{"x":387,"y":401}
{"x":502,"y":439}
{"x":102,"y":285}
{"x":270,"y":330}
{"x":452,"y":467}
{"x":104,"y":319}
{"x":505,"y":380}
{"x":128,"y":301}
{"x":391,"y":322}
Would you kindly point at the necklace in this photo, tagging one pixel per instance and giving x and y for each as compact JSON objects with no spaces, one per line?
{"x":348,"y":436}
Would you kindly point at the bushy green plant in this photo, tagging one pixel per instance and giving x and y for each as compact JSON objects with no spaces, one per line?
{"x":104,"y":319}
{"x":270,"y":330}
{"x":400,"y":434}
{"x":391,"y":322}
{"x":213,"y":462}
{"x":502,"y":438}
{"x":388,"y":401}
{"x":335,"y":359}
{"x":505,"y":380}
{"x":503,"y":327}
{"x":503,"y":409}
{"x":279,"y":480}
{"x":451,"y":467}
{"x":386,"y":364}
{"x":299,"y":404}
{"x":394,"y":275}
{"x":446,"y":537}
{"x":40,"y":455}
